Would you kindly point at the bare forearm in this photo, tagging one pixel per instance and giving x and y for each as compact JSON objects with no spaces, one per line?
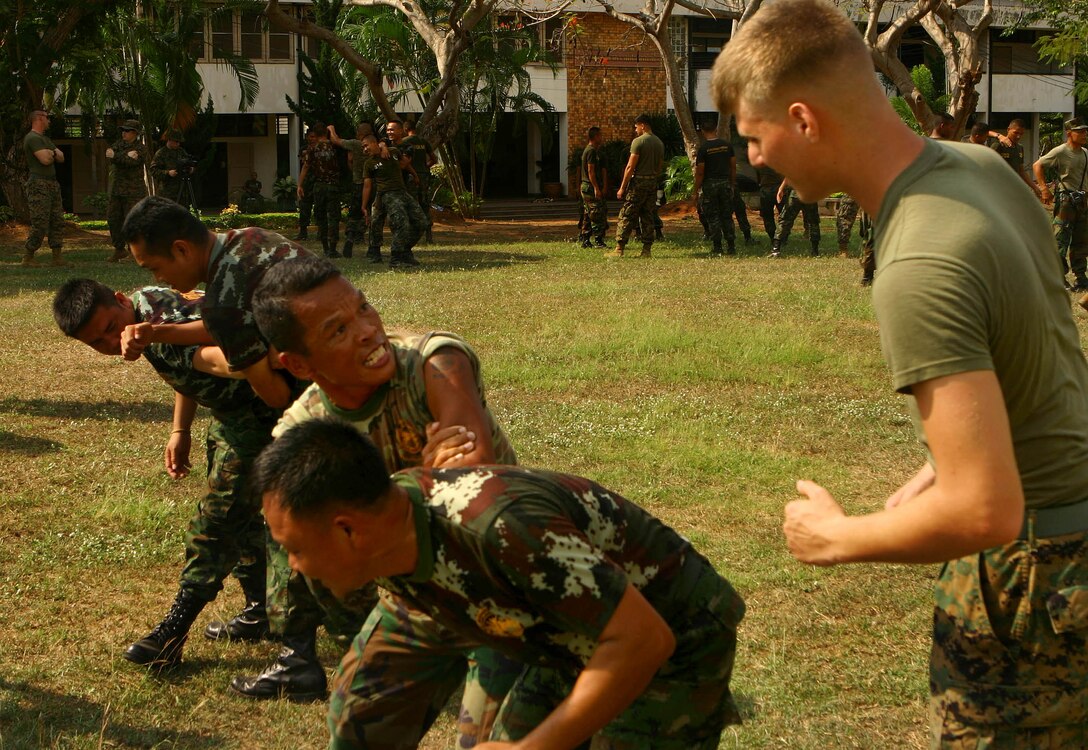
{"x":181,"y":334}
{"x":184,"y":413}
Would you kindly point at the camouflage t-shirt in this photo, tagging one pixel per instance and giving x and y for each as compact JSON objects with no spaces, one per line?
{"x":239,"y":260}
{"x":396,"y":417}
{"x":126,"y":173}
{"x":229,"y":399}
{"x":386,"y":173}
{"x":534,"y":563}
{"x":323,"y":162}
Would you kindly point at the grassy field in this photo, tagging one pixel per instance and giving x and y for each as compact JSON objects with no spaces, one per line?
{"x":700,"y":388}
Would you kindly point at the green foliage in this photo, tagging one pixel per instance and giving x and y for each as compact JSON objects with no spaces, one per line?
{"x":97,"y":202}
{"x":679,"y":179}
{"x":322,"y":80}
{"x":285,"y":188}
{"x":7,"y":213}
{"x":923,"y":80}
{"x":614,"y":155}
{"x":667,"y":128}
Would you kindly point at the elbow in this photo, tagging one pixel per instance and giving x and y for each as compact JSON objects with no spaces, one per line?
{"x":1001,"y":521}
{"x":660,"y":647}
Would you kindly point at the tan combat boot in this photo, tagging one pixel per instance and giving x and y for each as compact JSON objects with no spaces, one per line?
{"x":617,"y":253}
{"x":28,"y":259}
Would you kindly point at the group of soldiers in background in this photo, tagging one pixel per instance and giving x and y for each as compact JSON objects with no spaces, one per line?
{"x":171,"y":169}
{"x":390,"y":179}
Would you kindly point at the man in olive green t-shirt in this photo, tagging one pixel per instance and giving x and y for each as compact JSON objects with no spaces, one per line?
{"x":43,"y":191}
{"x":979,"y":336}
{"x":638,"y":190}
{"x":1070,"y":161}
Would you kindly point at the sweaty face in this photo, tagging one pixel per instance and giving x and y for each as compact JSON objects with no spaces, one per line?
{"x":345,"y":341}
{"x":1015,"y":134}
{"x":180,"y":270}
{"x":103,"y":331}
{"x":311,"y":544}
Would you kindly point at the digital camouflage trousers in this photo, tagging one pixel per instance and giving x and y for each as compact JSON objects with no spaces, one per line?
{"x":406,"y":221}
{"x":327,"y":211}
{"x":595,"y":220}
{"x":717,"y":204}
{"x":46,"y":215}
{"x":1009,"y":664}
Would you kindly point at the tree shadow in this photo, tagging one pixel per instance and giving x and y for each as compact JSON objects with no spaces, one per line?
{"x":35,"y":717}
{"x":27,"y":445}
{"x":127,"y":411}
{"x":449,"y":259}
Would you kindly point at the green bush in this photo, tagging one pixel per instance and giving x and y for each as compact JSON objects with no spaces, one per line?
{"x":97,"y":202}
{"x":679,"y":180}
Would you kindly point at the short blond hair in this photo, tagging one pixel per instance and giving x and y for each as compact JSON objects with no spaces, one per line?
{"x":787,"y":45}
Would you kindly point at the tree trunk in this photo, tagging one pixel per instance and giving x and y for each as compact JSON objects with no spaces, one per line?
{"x":680,"y":104}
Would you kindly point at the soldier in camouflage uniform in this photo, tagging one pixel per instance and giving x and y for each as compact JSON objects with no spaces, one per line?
{"x":127,"y":157}
{"x":384,"y":175}
{"x":768,"y":180}
{"x":542,"y":566}
{"x":715,"y":183}
{"x":594,"y":182}
{"x":322,"y":164}
{"x":792,"y":205}
{"x":181,"y":251}
{"x":979,"y":338}
{"x":43,"y":191}
{"x":845,"y":214}
{"x":227,"y":532}
{"x":422,"y":400}
{"x":306,"y":202}
{"x":638,"y":190}
{"x":355,"y":229}
{"x":170,"y":167}
{"x":422,"y":155}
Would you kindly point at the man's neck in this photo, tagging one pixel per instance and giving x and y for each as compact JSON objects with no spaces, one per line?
{"x":877,"y":159}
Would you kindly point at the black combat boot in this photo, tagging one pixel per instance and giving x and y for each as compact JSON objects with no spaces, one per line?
{"x":717,"y":249}
{"x":776,"y":248}
{"x":815,"y":249}
{"x":347,"y":249}
{"x":403,"y":259}
{"x":296,"y":675}
{"x":599,"y":242}
{"x":374,"y":254}
{"x":329,"y":246}
{"x":303,"y":233}
{"x":251,"y":624}
{"x":161,"y":648}
{"x":585,"y":243}
{"x":731,"y":248}
{"x":658,"y":234}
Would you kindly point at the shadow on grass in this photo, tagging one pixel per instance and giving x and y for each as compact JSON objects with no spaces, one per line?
{"x":27,"y":445}
{"x":454,"y":259}
{"x":35,"y":717}
{"x":132,"y":411}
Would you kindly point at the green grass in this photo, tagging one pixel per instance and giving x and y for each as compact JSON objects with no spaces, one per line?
{"x":701,"y":388}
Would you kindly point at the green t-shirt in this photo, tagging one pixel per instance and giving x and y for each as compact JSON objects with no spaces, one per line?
{"x":968,"y":279}
{"x":1013,"y":155}
{"x":592,"y":155}
{"x":419,"y":151}
{"x":33,"y":142}
{"x":386,"y":173}
{"x":1072,"y":167}
{"x":651,"y":155}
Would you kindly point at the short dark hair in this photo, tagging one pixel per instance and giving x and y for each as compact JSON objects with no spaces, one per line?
{"x":159,"y":222}
{"x":592,"y":132}
{"x":320,"y":462}
{"x":366,"y":125}
{"x":76,"y":301}
{"x":272,"y":300}
{"x":369,"y":137}
{"x":1017,"y":123}
{"x":708,"y":126}
{"x":394,"y":121}
{"x":644,"y":119}
{"x":980,"y":128}
{"x":320,"y":129}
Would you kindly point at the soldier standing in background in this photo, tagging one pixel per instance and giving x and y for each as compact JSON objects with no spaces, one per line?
{"x":845,"y":214}
{"x":306,"y":202}
{"x":768,"y":180}
{"x":1070,"y":161}
{"x":421,"y":153}
{"x":321,"y":163}
{"x":43,"y":191}
{"x":355,"y":229}
{"x":715,"y":181}
{"x":594,"y":183}
{"x":127,"y":157}
{"x":1013,"y":153}
{"x":173,"y":164}
{"x":385,"y":175}
{"x":792,"y":205}
{"x":638,"y":190}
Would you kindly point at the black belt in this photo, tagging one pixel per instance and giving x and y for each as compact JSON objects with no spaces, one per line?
{"x":1064,"y":519}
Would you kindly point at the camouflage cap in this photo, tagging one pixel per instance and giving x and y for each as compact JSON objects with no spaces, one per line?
{"x":131,"y":125}
{"x":175,"y":135}
{"x":1076,"y":123}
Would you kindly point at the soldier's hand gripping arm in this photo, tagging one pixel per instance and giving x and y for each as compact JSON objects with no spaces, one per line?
{"x":136,"y":337}
{"x":176,"y":455}
{"x":268,"y":384}
{"x":455,"y":402}
{"x":631,"y":648}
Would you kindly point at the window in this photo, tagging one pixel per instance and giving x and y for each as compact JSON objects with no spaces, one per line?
{"x":242,"y":33}
{"x":251,"y":36}
{"x":708,"y":37}
{"x":222,"y":26}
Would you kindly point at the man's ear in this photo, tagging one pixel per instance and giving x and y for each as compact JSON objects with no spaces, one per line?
{"x":804,"y":120}
{"x":297,"y":365}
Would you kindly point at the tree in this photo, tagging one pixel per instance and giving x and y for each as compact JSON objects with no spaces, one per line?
{"x":947,"y":23}
{"x":1067,"y":44}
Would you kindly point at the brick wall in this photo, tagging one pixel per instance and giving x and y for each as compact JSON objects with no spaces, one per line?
{"x":613,"y":74}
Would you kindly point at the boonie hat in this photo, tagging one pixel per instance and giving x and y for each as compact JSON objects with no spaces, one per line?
{"x":131,"y":125}
{"x":1077,"y":123}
